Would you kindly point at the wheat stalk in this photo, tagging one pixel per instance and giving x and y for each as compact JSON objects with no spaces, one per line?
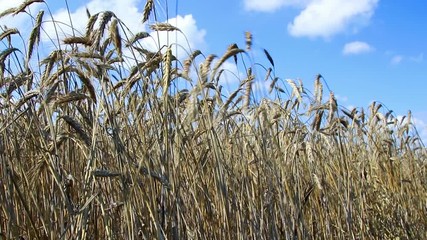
{"x":137,"y":37}
{"x":248,"y":92}
{"x":231,"y":52}
{"x":189,"y":61}
{"x":78,"y":128}
{"x":132,"y":162}
{"x":332,"y":107}
{"x":69,"y":97}
{"x":25,"y":4}
{"x":295,"y":89}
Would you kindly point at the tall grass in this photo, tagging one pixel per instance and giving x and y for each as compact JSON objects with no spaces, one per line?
{"x":99,"y":144}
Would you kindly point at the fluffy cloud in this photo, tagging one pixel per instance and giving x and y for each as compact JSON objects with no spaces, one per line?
{"x":19,"y":21}
{"x":190,"y":39}
{"x":127,"y":11}
{"x":320,"y":18}
{"x":356,"y":47}
{"x":325,"y":18}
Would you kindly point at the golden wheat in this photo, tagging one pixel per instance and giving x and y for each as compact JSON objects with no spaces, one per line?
{"x":94,"y":146}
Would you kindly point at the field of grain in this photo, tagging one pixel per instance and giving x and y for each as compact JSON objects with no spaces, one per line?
{"x":101,"y":140}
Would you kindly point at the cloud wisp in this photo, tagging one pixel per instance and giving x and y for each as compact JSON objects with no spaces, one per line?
{"x":399,"y":58}
{"x":356,"y":47}
{"x":396,"y":59}
{"x":272,"y":5}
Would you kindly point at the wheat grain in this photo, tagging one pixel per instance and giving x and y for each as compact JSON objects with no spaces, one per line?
{"x":332,"y":107}
{"x":167,"y":70}
{"x":115,"y":35}
{"x":8,"y":32}
{"x":318,"y":89}
{"x":295,"y":90}
{"x":35,"y":35}
{"x":5,"y":53}
{"x":205,"y":67}
{"x":137,"y":37}
{"x":7,"y":12}
{"x":70,"y":97}
{"x":25,"y":4}
{"x":90,"y":25}
{"x":138,"y":159}
{"x":78,"y":40}
{"x":248,"y":40}
{"x":78,"y":128}
{"x":231,"y":52}
{"x":164,"y":27}
{"x":149,"y":6}
{"x":273,"y":84}
{"x":189,"y":61}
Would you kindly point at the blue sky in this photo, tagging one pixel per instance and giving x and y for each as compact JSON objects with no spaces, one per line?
{"x":366,"y":49}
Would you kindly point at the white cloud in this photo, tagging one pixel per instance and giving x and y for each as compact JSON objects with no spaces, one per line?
{"x":231,"y":76}
{"x":325,"y":18}
{"x":261,"y":86}
{"x":356,"y":47}
{"x":396,"y":59}
{"x":19,"y":21}
{"x":191,"y":38}
{"x":127,"y":11}
{"x":320,"y":18}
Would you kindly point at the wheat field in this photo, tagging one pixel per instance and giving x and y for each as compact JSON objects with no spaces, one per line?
{"x":102,"y":138}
